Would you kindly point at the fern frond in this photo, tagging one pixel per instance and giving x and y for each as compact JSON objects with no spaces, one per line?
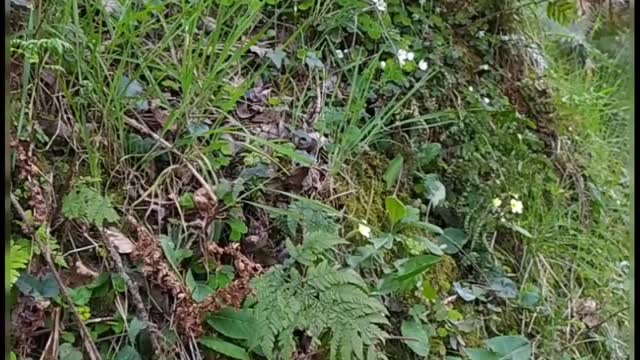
{"x":19,"y":257}
{"x":85,"y":203}
{"x":326,"y":300}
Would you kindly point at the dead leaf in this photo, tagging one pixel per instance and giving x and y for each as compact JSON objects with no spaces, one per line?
{"x":122,"y":244}
{"x":260,"y":51}
{"x":204,"y":202}
{"x":81,"y":269}
{"x":587,"y":311}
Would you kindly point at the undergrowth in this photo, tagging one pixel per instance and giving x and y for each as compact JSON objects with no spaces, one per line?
{"x":309,"y":179}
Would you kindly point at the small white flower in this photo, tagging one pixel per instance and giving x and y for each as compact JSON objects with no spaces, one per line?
{"x":422,"y":65}
{"x":383,"y":64}
{"x":481,"y":34}
{"x":471,"y":88}
{"x":364,"y":230}
{"x":484,"y":67}
{"x":485,"y":100}
{"x":381,"y":5}
{"x":410,"y":56}
{"x":339,"y":54}
{"x":496,"y":203}
{"x":516,"y":206}
{"x":402,"y":54}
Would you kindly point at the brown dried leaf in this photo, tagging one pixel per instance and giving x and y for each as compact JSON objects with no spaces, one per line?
{"x":81,"y":269}
{"x":122,"y":243}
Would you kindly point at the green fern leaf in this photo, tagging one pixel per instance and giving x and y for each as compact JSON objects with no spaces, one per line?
{"x":563,"y":12}
{"x":85,"y":203}
{"x":19,"y":257}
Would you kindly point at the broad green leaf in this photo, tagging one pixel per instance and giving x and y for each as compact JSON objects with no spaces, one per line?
{"x":68,"y":352}
{"x":80,"y":296}
{"x":393,"y":172}
{"x":434,"y":189}
{"x":128,"y":352}
{"x":529,"y":295}
{"x":416,"y":265}
{"x":417,"y":338}
{"x":236,"y":324}
{"x":306,"y":4}
{"x":199,"y":292}
{"x":510,"y":347}
{"x":224,"y":348}
{"x":395,"y":209}
{"x":520,"y":230}
{"x":453,"y":239}
{"x":135,"y":326}
{"x":481,"y":354}
{"x":504,"y":287}
{"x":46,"y":287}
{"x":429,"y":227}
{"x":277,"y":57}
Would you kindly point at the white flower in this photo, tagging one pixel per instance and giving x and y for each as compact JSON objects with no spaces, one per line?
{"x":364,"y":230}
{"x":402,"y":56}
{"x":484,"y":67}
{"x":485,"y":100}
{"x":496,"y":203}
{"x":422,"y":65}
{"x":471,"y":88}
{"x":410,"y":56}
{"x":381,"y":5}
{"x":383,"y":64}
{"x":340,"y":54}
{"x":481,"y":34}
{"x":516,"y":206}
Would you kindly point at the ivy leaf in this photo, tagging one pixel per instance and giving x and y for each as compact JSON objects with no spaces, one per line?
{"x":395,"y":209}
{"x":224,"y":348}
{"x":199,"y":292}
{"x":418,"y":338}
{"x":68,"y":352}
{"x":394,"y":170}
{"x":453,"y":239}
{"x":510,"y":347}
{"x":236,"y":324}
{"x":80,"y":296}
{"x":135,"y":326}
{"x":46,"y":288}
{"x":529,"y":295}
{"x":238,"y":228}
{"x":128,"y":352}
{"x":504,"y":287}
{"x":277,"y":57}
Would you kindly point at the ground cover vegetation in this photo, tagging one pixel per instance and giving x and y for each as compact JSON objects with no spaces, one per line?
{"x":336,"y":179}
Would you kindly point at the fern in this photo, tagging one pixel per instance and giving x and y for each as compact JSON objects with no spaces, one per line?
{"x":85,"y":203}
{"x":324,"y":301}
{"x":563,"y":12}
{"x":44,"y":237}
{"x":19,"y":257}
{"x":311,"y":217}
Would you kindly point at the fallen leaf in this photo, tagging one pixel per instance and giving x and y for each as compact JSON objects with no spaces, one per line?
{"x":121,"y":243}
{"x":83,"y":270}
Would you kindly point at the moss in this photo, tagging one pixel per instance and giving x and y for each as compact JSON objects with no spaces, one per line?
{"x":366,"y":188}
{"x":443,"y":274}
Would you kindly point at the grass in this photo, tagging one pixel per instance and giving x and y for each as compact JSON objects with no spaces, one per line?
{"x":233,"y":140}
